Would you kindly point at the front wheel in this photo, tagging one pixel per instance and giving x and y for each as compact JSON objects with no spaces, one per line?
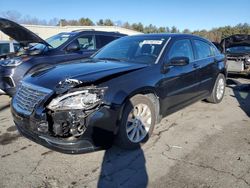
{"x":218,"y":90}
{"x":137,"y":123}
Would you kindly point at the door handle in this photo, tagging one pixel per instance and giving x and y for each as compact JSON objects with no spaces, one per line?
{"x":196,"y":66}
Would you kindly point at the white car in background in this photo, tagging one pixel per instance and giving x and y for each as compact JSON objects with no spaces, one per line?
{"x":8,"y":46}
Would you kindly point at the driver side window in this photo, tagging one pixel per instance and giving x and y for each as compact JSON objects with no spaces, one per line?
{"x":181,"y":48}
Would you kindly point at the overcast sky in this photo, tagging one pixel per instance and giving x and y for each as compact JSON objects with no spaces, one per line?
{"x":192,"y":14}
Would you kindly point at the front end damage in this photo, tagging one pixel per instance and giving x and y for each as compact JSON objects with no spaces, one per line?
{"x":75,"y":121}
{"x":237,"y":50}
{"x":68,"y":112}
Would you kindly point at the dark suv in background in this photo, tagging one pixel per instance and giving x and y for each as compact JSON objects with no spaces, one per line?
{"x":40,"y":54}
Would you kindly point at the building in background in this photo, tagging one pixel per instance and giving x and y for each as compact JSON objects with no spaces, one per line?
{"x":47,"y":31}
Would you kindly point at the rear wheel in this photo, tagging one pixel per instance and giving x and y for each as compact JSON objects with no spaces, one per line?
{"x":218,"y":90}
{"x":137,"y":122}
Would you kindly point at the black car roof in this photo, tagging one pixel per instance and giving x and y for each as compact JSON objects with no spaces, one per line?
{"x":172,"y":35}
{"x":90,"y":31}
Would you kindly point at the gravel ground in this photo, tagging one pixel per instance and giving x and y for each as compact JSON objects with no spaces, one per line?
{"x":203,"y":145}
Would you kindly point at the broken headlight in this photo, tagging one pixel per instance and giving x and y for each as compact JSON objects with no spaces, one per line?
{"x":85,"y":99}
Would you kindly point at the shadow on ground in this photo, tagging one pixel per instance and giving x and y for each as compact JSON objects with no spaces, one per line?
{"x":123,"y":168}
{"x":241,"y":93}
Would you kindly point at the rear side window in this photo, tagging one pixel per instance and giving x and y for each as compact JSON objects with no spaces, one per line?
{"x":103,"y":40}
{"x":87,"y":42}
{"x":203,"y":49}
{"x":181,"y":48}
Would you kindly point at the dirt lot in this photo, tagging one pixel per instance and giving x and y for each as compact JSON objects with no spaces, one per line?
{"x":203,"y":145}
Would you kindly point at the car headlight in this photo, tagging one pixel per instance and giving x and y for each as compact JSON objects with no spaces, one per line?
{"x":85,"y":99}
{"x":13,"y":62}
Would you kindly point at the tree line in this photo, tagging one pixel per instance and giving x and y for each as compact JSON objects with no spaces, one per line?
{"x":215,"y":34}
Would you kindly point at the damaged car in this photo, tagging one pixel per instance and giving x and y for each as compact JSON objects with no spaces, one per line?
{"x":237,"y":50}
{"x":37,"y":53}
{"x":119,"y":94}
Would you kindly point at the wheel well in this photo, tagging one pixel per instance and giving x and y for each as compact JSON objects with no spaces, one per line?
{"x":152,"y":95}
{"x":156,"y":102}
{"x":224,"y":72}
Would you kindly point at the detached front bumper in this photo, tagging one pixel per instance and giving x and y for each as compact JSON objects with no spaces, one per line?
{"x":101,"y":126}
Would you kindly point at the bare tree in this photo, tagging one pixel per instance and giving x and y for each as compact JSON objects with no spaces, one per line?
{"x":11,"y":15}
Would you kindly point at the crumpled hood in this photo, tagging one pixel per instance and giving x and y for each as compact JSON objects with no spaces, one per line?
{"x":86,"y":71}
{"x":235,"y":40}
{"x":19,"y":33}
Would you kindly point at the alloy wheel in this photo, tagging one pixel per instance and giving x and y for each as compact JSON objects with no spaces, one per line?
{"x":138,"y":123}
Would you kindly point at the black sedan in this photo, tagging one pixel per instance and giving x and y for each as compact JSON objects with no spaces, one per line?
{"x":119,"y":94}
{"x":39,"y":54}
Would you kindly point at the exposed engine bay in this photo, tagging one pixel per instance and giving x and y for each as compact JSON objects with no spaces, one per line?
{"x":23,"y":54}
{"x":238,"y":63}
{"x":237,"y":50}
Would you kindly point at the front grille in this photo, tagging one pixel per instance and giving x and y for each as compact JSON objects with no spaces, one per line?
{"x":28,"y":96}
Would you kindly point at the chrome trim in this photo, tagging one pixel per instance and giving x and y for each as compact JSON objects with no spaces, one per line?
{"x":2,"y":92}
{"x":12,"y":80}
{"x":162,"y":50}
{"x":39,"y":88}
{"x":28,"y":96}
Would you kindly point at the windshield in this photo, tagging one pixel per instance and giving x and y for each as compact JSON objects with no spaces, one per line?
{"x":239,"y":49}
{"x":57,"y":40}
{"x":54,"y":42}
{"x":139,"y":49}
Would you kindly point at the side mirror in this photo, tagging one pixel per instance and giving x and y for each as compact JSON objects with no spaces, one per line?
{"x":73,"y":47}
{"x":179,"y":61}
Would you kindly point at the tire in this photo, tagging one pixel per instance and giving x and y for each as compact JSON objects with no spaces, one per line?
{"x":136,"y":106}
{"x":218,"y":90}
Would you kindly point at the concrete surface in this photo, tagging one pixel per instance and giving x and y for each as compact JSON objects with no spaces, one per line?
{"x":203,"y":145}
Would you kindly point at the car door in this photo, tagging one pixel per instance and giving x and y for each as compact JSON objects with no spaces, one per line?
{"x":205,"y":61}
{"x":180,"y":82}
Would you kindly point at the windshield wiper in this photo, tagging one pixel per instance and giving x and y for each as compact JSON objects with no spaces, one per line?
{"x":110,"y":59}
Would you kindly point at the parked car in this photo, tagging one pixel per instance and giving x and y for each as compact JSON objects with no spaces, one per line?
{"x":7,"y":47}
{"x":237,"y":50}
{"x":121,"y":92}
{"x":39,"y":54}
